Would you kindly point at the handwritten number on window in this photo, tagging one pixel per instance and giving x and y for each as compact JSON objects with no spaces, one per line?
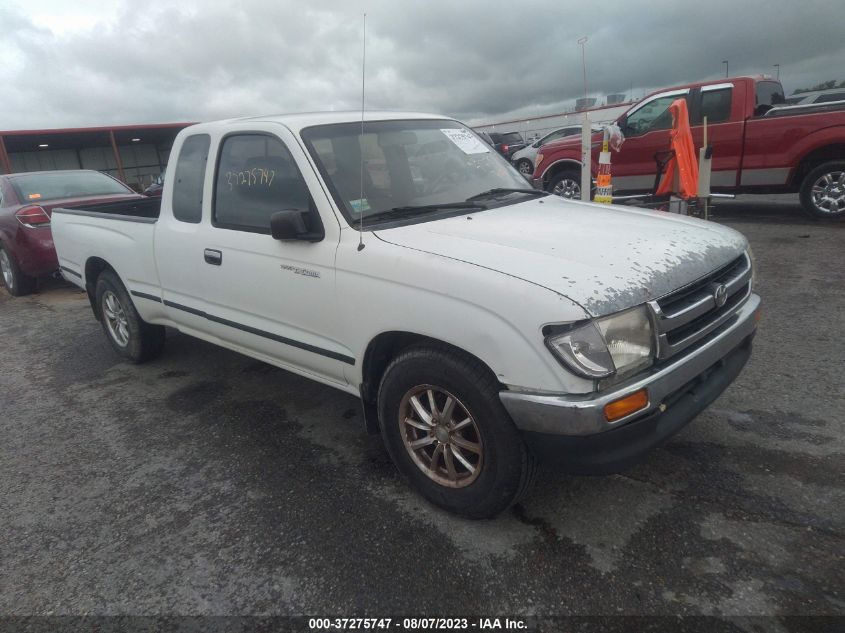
{"x":256,"y":176}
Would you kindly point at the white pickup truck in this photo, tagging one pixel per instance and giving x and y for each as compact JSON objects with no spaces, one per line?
{"x":485,"y":326}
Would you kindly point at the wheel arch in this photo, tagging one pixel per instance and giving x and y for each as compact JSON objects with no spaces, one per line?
{"x":564,"y":164}
{"x":382,"y":349}
{"x":94,"y":267}
{"x":814,"y":158}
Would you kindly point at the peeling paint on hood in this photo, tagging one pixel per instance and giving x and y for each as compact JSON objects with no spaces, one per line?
{"x":605,"y":258}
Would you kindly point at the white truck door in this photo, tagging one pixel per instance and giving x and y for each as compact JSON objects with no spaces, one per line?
{"x":275,"y":299}
{"x":178,"y":238}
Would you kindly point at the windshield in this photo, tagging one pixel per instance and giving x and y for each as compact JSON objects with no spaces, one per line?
{"x":74,"y":184}
{"x":407,"y":164}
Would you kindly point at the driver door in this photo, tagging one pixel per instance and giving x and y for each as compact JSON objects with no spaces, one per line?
{"x":646,"y":132}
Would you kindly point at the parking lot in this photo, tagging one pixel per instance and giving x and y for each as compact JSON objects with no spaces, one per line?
{"x":209,"y":483}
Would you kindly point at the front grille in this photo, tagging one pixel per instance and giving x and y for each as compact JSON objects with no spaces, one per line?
{"x":688,"y":315}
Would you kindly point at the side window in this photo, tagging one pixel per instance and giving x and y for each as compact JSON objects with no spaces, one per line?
{"x":716,"y":105}
{"x":256,"y":177}
{"x":189,"y":178}
{"x":768,"y":95}
{"x":654,"y":115}
{"x":833,"y":96}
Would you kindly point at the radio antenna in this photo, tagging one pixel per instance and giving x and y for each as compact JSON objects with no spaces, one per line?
{"x":361,"y":141}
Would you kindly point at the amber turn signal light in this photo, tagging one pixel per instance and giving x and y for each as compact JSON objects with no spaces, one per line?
{"x":626,"y":406}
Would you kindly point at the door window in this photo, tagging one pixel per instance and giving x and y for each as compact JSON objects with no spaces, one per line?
{"x":189,"y":178}
{"x":715,"y":105}
{"x":256,"y":177}
{"x":654,"y":115}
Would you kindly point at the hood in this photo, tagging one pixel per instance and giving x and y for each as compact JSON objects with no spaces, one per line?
{"x":572,"y":141}
{"x":605,"y":258}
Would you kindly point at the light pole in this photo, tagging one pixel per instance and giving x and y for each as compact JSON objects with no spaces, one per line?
{"x":727,"y":66}
{"x":583,"y":41}
{"x":778,"y":71}
{"x":586,"y":147}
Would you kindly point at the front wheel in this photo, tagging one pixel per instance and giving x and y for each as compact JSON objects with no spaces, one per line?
{"x":17,"y":283}
{"x":822,"y":191}
{"x":525,"y":167}
{"x":129,"y":335}
{"x":449,"y":435}
{"x":566,"y":184}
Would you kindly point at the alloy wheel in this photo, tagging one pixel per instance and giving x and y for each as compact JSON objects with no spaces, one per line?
{"x":568,"y":188}
{"x":6,"y":268}
{"x":441,"y":436}
{"x":828,"y":193}
{"x":116,"y":321}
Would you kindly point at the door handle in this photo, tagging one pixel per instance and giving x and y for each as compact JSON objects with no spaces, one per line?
{"x":213,"y":257}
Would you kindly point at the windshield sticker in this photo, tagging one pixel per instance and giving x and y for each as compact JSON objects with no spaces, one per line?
{"x":359,"y":206}
{"x":468,"y":142}
{"x":34,"y":196}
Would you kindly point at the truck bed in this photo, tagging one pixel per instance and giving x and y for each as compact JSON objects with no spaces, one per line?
{"x":146,"y":210}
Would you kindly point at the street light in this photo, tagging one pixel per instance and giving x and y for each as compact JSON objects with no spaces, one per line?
{"x":778,"y":70}
{"x":727,"y":66}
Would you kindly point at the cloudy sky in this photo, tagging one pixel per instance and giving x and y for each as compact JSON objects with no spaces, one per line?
{"x":95,"y":62}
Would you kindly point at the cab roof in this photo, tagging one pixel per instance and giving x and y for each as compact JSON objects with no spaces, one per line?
{"x":299,"y":121}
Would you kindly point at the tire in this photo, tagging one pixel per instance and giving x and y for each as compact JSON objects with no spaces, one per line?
{"x":129,"y":335}
{"x":525,"y":167}
{"x":491,"y":468}
{"x":822,"y":191}
{"x":17,"y":283}
{"x":566,"y":184}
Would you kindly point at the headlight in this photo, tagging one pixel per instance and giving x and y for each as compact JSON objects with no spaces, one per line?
{"x":537,"y":160}
{"x":617,"y":344}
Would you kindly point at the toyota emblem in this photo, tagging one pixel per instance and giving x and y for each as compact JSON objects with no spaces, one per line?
{"x":720,"y":294}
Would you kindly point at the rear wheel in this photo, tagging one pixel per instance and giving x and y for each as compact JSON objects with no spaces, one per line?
{"x":566,"y":184}
{"x":17,"y":283}
{"x":822,"y":191}
{"x":129,"y":335}
{"x":449,"y":435}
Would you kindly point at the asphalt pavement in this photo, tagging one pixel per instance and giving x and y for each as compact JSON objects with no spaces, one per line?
{"x":207,"y":483}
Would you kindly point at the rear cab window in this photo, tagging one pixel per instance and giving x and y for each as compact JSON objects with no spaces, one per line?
{"x":768,"y":94}
{"x":189,"y":178}
{"x":256,"y":177}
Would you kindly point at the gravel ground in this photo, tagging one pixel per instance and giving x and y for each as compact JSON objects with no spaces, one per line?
{"x":207,"y":483}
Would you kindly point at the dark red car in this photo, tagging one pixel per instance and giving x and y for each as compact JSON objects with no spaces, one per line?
{"x":26,"y":202}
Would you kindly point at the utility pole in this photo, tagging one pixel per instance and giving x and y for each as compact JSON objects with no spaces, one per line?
{"x":727,"y":66}
{"x":777,"y":66}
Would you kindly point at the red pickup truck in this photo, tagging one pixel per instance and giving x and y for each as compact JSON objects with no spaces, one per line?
{"x":760,"y":145}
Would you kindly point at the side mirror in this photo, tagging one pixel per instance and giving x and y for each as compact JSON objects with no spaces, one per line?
{"x":292,"y":224}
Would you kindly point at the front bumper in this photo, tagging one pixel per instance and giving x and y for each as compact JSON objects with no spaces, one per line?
{"x":677,"y":392}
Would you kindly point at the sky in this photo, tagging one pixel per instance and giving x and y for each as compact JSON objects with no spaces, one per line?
{"x":110,"y":62}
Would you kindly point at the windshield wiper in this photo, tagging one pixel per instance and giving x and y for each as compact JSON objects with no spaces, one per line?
{"x":409,"y":211}
{"x":500,"y":190}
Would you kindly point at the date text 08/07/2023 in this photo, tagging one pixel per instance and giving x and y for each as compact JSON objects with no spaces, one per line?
{"x":417,"y":624}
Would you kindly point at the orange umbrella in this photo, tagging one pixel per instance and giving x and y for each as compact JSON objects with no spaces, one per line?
{"x":684,"y":158}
